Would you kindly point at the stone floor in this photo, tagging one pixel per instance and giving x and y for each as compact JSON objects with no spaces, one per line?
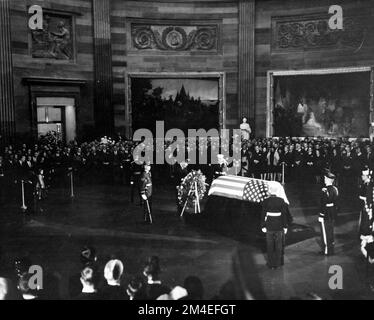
{"x":102,"y":216}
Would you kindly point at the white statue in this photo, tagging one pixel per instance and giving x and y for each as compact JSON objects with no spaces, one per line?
{"x":245,"y":129}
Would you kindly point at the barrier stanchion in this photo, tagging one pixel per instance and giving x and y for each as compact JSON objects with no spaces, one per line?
{"x":71,"y":183}
{"x":23,"y":207}
{"x":149,"y":212}
{"x":283,"y":173}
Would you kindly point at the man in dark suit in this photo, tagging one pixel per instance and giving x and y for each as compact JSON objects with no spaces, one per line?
{"x":117,"y":166}
{"x":146,"y":193}
{"x":136,"y":171}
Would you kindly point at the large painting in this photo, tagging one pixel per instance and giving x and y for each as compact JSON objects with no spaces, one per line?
{"x":330,"y":105}
{"x":183,"y":103}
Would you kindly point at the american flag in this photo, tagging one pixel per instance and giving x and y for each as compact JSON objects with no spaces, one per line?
{"x":247,"y":189}
{"x":255,"y":191}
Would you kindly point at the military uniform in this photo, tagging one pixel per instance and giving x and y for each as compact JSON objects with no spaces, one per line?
{"x":146,"y":189}
{"x":2,"y":183}
{"x":327,"y":216}
{"x":136,"y":172}
{"x":275,"y":218}
{"x":366,"y":218}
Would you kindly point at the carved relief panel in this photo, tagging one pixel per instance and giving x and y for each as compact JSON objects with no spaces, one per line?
{"x":168,"y":37}
{"x":56,"y":39}
{"x":313,"y":32}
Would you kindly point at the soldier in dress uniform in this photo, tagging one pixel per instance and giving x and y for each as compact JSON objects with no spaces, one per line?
{"x":366,"y":197}
{"x":146,"y":192}
{"x":328,"y":213}
{"x":2,"y":180}
{"x":180,"y":172}
{"x":136,"y":172}
{"x":274,"y":222}
{"x":367,"y":249}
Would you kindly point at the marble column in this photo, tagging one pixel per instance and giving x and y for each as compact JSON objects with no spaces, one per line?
{"x":7,"y":114}
{"x":247,"y":60}
{"x":104,"y":115}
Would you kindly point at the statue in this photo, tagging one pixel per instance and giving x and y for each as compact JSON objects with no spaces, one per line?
{"x":245,"y":129}
{"x":61,"y":41}
{"x":47,"y":43}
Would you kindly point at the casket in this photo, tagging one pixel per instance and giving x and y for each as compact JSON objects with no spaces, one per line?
{"x":233,"y":206}
{"x":245,"y":189}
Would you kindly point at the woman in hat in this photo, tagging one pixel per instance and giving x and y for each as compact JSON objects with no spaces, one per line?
{"x":113,"y":272}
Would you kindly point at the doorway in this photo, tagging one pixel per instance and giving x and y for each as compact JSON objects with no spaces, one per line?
{"x":56,"y":115}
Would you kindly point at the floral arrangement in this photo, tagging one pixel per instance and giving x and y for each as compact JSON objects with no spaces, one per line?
{"x":50,"y":138}
{"x":186,"y":190}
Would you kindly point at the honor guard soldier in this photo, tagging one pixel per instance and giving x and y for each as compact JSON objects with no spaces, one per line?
{"x":274,"y":222}
{"x":180,"y":172}
{"x":366,"y":197}
{"x":328,"y":213}
{"x":367,"y":249}
{"x":136,"y":172}
{"x":2,"y":180}
{"x":146,"y":192}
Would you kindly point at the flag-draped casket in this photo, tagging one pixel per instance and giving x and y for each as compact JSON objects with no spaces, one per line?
{"x":234,"y":205}
{"x":246,"y":189}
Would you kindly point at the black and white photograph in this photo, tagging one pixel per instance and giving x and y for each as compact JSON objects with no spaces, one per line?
{"x":202,"y":151}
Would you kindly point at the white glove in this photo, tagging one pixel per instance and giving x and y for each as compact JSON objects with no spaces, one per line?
{"x":264,"y":230}
{"x":320,"y":219}
{"x":285,"y":230}
{"x":144,"y":197}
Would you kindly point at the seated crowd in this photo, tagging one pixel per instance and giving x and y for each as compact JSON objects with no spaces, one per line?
{"x":93,"y":283}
